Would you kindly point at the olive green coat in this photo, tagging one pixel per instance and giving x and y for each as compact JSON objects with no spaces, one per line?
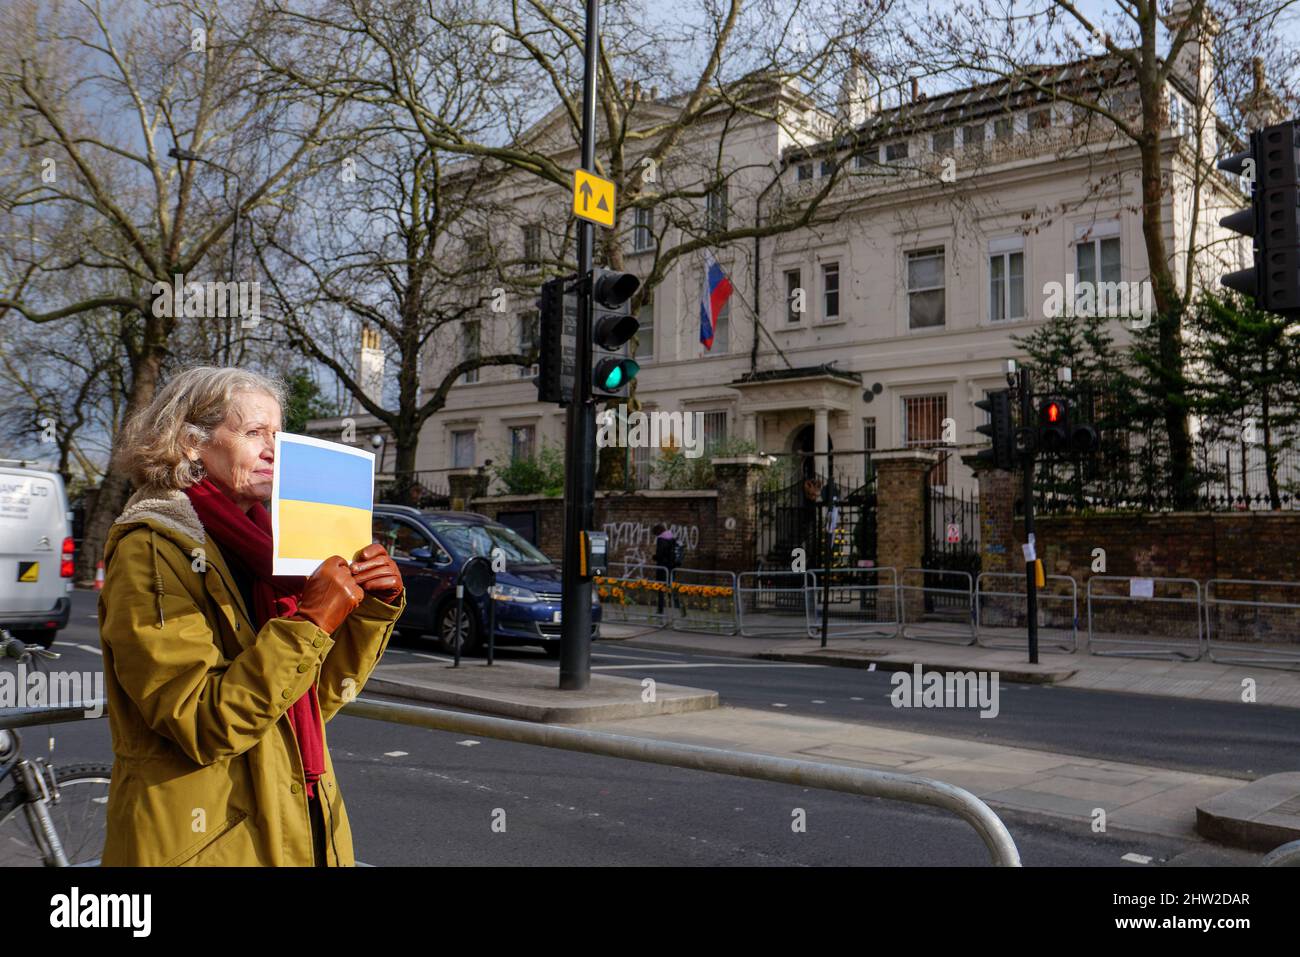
{"x":207,"y":768}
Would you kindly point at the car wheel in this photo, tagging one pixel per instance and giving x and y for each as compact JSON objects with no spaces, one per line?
{"x":469,"y":636}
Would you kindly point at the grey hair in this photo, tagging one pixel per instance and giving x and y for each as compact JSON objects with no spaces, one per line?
{"x":156,"y":443}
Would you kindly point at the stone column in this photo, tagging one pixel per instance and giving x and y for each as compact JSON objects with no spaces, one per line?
{"x":736,"y":531}
{"x":749,"y":427}
{"x":821,"y":433}
{"x":464,"y":485}
{"x":900,"y":514}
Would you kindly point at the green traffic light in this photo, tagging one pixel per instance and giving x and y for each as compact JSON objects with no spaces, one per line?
{"x":620,"y":373}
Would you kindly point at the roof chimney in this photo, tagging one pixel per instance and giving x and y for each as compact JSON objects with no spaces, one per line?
{"x":916,"y":89}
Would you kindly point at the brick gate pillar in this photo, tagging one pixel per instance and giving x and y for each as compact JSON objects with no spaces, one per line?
{"x":999,"y":551}
{"x":736,"y":519}
{"x":900,"y":512}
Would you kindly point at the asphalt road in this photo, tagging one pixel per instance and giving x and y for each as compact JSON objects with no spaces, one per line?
{"x":424,"y":798}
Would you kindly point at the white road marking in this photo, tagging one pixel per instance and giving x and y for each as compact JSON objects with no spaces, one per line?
{"x":1136,"y":858}
{"x":776,"y":705}
{"x":421,"y":654}
{"x":818,"y":701}
{"x":93,"y":651}
{"x":855,"y":698}
{"x":468,"y":742}
{"x":395,"y":754}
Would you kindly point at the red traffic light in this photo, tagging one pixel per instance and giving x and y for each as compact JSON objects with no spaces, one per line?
{"x":1053,"y":412}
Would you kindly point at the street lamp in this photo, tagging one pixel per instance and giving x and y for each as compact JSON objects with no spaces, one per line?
{"x":377,"y":440}
{"x":178,"y":153}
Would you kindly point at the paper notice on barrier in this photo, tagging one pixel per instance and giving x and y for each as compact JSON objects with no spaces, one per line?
{"x":1141,"y":588}
{"x":1030,"y":554}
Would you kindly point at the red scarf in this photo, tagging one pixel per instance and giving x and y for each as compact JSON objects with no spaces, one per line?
{"x":245,"y":541}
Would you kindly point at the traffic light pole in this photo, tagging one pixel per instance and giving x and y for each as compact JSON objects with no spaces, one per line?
{"x":580,"y":431}
{"x":1027,"y":415}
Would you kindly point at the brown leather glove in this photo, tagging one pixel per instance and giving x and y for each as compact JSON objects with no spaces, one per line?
{"x":376,"y":572}
{"x":330,"y":595}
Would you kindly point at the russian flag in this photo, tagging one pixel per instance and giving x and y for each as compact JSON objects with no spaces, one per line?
{"x":717,"y":290}
{"x":321,"y":502}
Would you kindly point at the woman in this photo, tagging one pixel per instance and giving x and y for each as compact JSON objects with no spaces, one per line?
{"x":219,"y":676}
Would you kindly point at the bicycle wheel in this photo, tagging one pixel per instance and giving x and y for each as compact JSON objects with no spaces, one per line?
{"x":79,"y":819}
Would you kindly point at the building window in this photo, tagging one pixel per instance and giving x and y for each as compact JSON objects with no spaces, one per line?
{"x":521,"y":442}
{"x":645,"y":335}
{"x":803,"y":172}
{"x":830,"y":291}
{"x":462,"y":449}
{"x":1040,"y":119}
{"x":469,"y":344}
{"x":895,"y":152}
{"x":1006,"y":285}
{"x":715,"y":431}
{"x":794,"y":305}
{"x":716,"y":210}
{"x":923,"y":417}
{"x":721,"y":332}
{"x":532,"y":248}
{"x":528,"y":322}
{"x":828,"y":167}
{"x":642,"y":459}
{"x":942,"y":142}
{"x":972,"y":137}
{"x":1089,"y":253}
{"x":925,"y":297}
{"x":476,"y":251}
{"x":643,"y":233}
{"x":863,"y":159}
{"x":1002,"y":129}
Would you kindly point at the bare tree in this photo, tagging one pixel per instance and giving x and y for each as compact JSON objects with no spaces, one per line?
{"x":99,"y":198}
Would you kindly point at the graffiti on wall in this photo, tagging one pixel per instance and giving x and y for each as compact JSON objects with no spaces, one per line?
{"x":635,"y":540}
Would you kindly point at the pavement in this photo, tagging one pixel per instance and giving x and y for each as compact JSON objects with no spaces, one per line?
{"x":1205,"y":680}
{"x":1089,"y":793}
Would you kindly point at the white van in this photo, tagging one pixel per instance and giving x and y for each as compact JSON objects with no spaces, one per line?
{"x":36,"y":552}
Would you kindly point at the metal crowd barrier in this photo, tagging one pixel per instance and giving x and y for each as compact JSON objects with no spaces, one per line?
{"x":1006,"y":606}
{"x":774,"y":604}
{"x":1138,"y":626}
{"x":1273,"y":627}
{"x":634,"y":593}
{"x":863,"y":603}
{"x":929,"y":612}
{"x":866,"y":782}
{"x":703,"y":601}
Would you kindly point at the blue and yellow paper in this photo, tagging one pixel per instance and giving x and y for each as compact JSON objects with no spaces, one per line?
{"x":321,"y":501}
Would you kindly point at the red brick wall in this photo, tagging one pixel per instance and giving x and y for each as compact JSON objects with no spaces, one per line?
{"x":1200,"y":545}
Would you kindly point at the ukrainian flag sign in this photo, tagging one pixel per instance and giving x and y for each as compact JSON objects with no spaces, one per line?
{"x":320,"y":502}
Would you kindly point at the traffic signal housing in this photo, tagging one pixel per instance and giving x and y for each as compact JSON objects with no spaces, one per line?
{"x":612,"y":325}
{"x":1054,"y":424}
{"x":999,"y":428}
{"x":1271,"y":165}
{"x":557,"y":336}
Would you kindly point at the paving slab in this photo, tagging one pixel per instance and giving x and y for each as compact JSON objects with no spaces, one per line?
{"x":531,"y":692}
{"x":1259,"y":816}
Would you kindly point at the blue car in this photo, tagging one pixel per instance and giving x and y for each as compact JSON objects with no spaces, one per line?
{"x":430,"y":548}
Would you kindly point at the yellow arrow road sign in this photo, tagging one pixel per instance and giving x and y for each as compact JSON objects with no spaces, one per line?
{"x":593,"y":198}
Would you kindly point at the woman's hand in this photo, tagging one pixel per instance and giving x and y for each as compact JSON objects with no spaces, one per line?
{"x":330,"y":595}
{"x":378,"y":574}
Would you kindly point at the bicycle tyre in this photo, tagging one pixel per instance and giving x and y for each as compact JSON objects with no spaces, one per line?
{"x":83,"y":842}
